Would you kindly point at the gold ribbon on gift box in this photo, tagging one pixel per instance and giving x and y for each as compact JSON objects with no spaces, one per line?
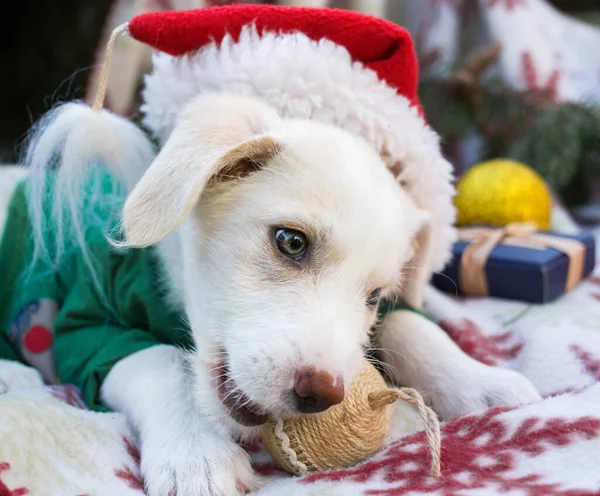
{"x":473,"y":279}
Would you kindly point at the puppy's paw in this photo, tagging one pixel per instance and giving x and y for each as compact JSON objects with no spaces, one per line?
{"x":482,"y":388}
{"x":196,"y":464}
{"x":15,"y":376}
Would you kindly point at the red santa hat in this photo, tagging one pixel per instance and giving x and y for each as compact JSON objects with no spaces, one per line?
{"x":378,"y":45}
{"x":340,"y":67}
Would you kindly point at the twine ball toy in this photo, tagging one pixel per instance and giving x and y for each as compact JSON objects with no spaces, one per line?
{"x":499,"y":192}
{"x":349,"y":432}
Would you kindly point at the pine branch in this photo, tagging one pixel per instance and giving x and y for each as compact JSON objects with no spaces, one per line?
{"x":560,"y":140}
{"x":466,"y":78}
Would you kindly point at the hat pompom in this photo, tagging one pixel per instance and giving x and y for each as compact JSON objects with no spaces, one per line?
{"x":73,"y":154}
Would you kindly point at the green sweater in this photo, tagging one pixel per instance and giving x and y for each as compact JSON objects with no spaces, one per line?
{"x":59,"y":315}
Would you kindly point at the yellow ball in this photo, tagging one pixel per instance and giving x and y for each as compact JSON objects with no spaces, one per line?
{"x":501,"y":191}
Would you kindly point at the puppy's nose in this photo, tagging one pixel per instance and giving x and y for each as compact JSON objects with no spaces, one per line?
{"x":316,"y":390}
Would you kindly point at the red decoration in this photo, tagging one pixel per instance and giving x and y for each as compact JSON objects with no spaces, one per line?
{"x":478,"y":452}
{"x":126,"y":473}
{"x":266,"y":468}
{"x":380,"y":45}
{"x":531,"y":77}
{"x":594,"y":279}
{"x":4,"y":490}
{"x":37,"y":339}
{"x":132,"y":450}
{"x":591,"y":365}
{"x":490,"y":350}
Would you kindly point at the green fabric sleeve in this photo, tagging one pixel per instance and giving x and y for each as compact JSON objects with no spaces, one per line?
{"x":96,"y":324}
{"x":389,"y":306}
{"x":89,"y":365}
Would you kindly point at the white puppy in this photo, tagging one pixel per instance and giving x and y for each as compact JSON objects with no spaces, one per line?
{"x":279,"y":237}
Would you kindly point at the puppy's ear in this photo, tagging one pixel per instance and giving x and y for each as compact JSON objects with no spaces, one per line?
{"x":217,"y":138}
{"x":418,"y":268}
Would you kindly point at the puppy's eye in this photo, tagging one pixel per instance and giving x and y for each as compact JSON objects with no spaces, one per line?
{"x":373,"y":298}
{"x":292,"y":244}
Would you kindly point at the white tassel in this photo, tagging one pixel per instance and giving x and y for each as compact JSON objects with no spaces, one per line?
{"x":74,"y":149}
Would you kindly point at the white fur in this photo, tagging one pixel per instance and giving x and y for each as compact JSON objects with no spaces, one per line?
{"x":269,"y":318}
{"x":267,"y":329}
{"x":319,"y":319}
{"x":301,"y":78}
{"x":421,"y":354}
{"x":183,"y":452}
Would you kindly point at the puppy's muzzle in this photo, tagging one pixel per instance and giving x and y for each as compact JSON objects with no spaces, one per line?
{"x":316,"y":390}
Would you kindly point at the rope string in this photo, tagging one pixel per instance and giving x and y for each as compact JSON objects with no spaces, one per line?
{"x":286,"y":447}
{"x":385,"y":397}
{"x":105,"y":70}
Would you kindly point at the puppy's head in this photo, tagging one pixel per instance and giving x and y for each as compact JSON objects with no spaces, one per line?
{"x":292,"y":231}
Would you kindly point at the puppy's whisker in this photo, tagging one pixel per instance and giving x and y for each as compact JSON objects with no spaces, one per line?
{"x":240,"y":404}
{"x":237,"y":389}
{"x":229,"y":393}
{"x":225,"y":382}
{"x":215,"y":368}
{"x":386,"y":366}
{"x":451,"y":280}
{"x":390,"y":350}
{"x":216,"y":357}
{"x":416,"y":267}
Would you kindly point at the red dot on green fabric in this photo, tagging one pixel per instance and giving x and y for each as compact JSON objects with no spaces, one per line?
{"x":37,"y":339}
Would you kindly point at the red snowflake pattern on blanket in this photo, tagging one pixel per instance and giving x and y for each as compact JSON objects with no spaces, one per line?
{"x":264,"y":465}
{"x":532,"y":78}
{"x":595,"y":281}
{"x":478,"y":452}
{"x":129,"y":474}
{"x":4,"y":490}
{"x":590,"y":363}
{"x":490,"y":350}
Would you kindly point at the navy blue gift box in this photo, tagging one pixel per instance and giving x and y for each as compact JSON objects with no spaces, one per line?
{"x":521,"y":273}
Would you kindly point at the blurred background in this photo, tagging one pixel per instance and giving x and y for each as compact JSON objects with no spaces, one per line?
{"x":499,"y":78}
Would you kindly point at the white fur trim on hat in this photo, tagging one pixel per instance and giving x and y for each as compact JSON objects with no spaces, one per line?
{"x":302,"y":78}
